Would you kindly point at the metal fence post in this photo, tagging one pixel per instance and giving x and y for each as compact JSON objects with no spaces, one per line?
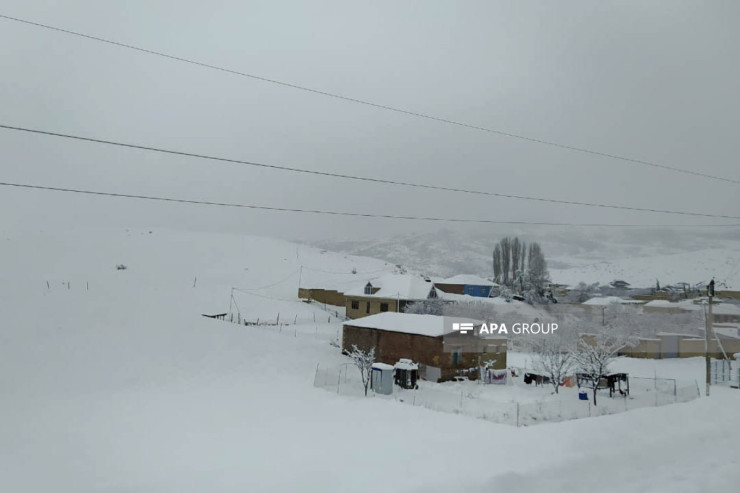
{"x":675,"y":392}
{"x":517,"y":415}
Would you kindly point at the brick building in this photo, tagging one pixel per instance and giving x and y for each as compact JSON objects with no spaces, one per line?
{"x":420,"y":339}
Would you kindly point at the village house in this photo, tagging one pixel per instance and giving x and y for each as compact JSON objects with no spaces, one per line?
{"x":467,"y":285}
{"x":619,"y":284}
{"x":721,"y":312}
{"x":389,"y":293}
{"x":725,"y":343}
{"x":599,"y":303}
{"x":426,"y":340}
{"x":326,"y":296}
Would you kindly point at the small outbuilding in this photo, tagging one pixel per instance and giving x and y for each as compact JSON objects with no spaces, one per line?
{"x":382,"y":378}
{"x":406,"y":374}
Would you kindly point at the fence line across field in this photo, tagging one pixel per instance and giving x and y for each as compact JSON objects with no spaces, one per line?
{"x":285,"y":319}
{"x":471,"y":400}
{"x":297,"y":327}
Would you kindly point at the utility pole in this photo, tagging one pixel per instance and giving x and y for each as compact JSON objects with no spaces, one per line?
{"x":708,"y":333}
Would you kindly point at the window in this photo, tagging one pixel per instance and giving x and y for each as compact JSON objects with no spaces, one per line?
{"x":367,"y":307}
{"x":368,"y":288}
{"x":432,"y":293}
{"x":355,"y":305}
{"x":384,"y":307}
{"x":457,"y":357}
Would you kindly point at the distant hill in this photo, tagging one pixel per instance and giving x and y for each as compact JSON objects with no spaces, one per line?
{"x":638,"y":256}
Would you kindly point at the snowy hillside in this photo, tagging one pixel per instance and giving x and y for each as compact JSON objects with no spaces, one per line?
{"x":691,"y":267}
{"x":113,"y":381}
{"x":638,"y":256}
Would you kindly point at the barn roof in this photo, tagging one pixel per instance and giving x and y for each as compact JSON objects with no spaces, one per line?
{"x":610,"y":300}
{"x":408,"y":323}
{"x":403,"y":286}
{"x":466,"y":279}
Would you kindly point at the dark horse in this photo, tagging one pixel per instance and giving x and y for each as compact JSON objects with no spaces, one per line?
{"x":537,"y":379}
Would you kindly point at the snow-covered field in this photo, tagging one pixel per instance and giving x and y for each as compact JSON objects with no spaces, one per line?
{"x":113,"y":381}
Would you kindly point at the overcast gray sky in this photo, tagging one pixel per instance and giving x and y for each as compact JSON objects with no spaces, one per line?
{"x":656,"y":81}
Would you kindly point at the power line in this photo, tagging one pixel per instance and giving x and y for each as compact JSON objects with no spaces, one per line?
{"x":374,"y":105}
{"x":341,"y":213}
{"x":358,"y":178}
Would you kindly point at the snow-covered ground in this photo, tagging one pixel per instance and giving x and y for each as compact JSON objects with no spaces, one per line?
{"x":113,"y":381}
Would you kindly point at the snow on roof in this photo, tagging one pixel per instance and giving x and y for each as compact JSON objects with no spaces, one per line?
{"x":408,"y":323}
{"x":717,"y":308}
{"x":610,"y":300}
{"x":728,"y":332}
{"x":406,"y":364}
{"x":466,"y":279}
{"x":333,"y":284}
{"x":406,"y":287}
{"x":382,"y":366}
{"x":443,"y":295}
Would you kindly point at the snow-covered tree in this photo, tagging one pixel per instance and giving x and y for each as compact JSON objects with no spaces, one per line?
{"x":582,"y":292}
{"x":595,"y":354}
{"x":426,"y":307}
{"x":522,"y":269}
{"x":363,"y":360}
{"x":554,"y":357}
{"x":631,"y":320}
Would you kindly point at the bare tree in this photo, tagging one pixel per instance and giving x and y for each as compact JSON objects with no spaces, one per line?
{"x":595,"y":354}
{"x":523,"y":257}
{"x":505,"y":259}
{"x":515,"y":256}
{"x":497,"y":263}
{"x":363,"y":360}
{"x":537,"y":273}
{"x":554,"y":357}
